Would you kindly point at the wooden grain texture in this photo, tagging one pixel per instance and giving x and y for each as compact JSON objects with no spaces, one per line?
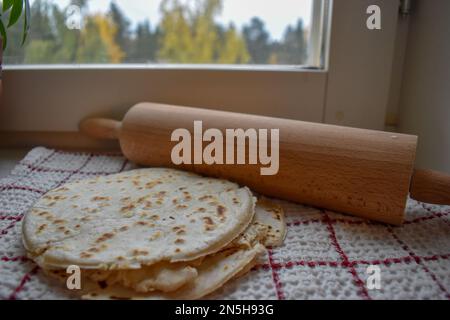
{"x":101,"y":128}
{"x":430,"y":186}
{"x":361,"y":172}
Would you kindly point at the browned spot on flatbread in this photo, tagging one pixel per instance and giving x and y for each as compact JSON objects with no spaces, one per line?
{"x":208,"y":220}
{"x":105,"y":237}
{"x":151,"y":184}
{"x":148,"y":204}
{"x":56,"y":197}
{"x":155,"y":236}
{"x":208,"y":224}
{"x":142,"y":199}
{"x":221,"y":212}
{"x":99,"y":198}
{"x":41,"y":228}
{"x":206,"y":197}
{"x":187,"y":196}
{"x":139,"y":252}
{"x":127,"y":208}
{"x":161,"y":194}
{"x":125,"y":199}
{"x":44,"y":213}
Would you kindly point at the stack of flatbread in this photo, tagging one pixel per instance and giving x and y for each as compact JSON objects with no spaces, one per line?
{"x":151,"y":233}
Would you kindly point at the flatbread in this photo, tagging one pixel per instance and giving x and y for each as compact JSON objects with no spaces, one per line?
{"x":134,"y":219}
{"x":267,"y":227}
{"x":271,"y":215}
{"x":165,"y":277}
{"x":213,"y":273}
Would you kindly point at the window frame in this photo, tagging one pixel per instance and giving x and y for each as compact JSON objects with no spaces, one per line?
{"x":339,"y":87}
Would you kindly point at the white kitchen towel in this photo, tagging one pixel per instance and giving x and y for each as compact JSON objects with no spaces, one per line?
{"x":325,"y":255}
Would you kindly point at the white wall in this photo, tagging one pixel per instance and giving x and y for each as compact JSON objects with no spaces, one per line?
{"x":425,"y":95}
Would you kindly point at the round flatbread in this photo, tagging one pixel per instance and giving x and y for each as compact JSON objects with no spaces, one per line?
{"x":213,"y":273}
{"x":134,"y":219}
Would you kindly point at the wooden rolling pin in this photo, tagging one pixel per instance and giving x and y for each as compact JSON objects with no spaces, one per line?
{"x":360,"y":172}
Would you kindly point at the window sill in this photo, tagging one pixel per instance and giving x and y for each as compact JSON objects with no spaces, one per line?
{"x":175,"y":67}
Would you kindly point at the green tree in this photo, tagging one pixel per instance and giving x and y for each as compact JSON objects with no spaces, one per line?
{"x":91,"y":48}
{"x":176,"y":41}
{"x":293,"y":49}
{"x":204,"y":31}
{"x":144,"y":46}
{"x":258,"y":41}
{"x":189,"y":34}
{"x":122,"y":25}
{"x":234,"y":49}
{"x":97,"y":42}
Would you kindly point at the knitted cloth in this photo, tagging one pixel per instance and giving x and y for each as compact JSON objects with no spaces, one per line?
{"x":325,"y":255}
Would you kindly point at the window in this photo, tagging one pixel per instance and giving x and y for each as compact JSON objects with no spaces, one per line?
{"x":250,"y":32}
{"x":331,"y":86}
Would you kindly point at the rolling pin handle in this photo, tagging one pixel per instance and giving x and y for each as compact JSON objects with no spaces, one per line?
{"x":430,"y":186}
{"x":101,"y":128}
